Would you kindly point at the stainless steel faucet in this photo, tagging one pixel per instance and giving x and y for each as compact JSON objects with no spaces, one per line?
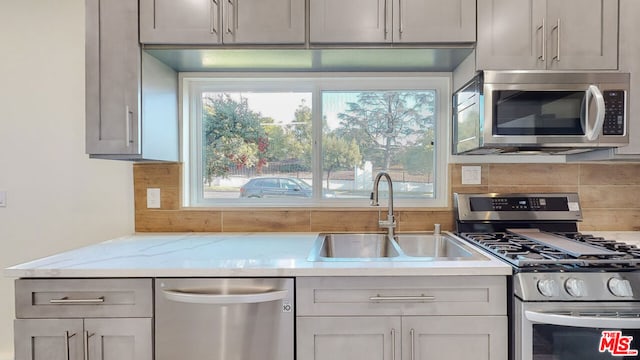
{"x":390,"y":222}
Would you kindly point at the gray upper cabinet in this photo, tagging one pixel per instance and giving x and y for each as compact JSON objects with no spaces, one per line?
{"x":547,"y":34}
{"x":131,"y":98}
{"x":112,"y":77}
{"x":222,"y":22}
{"x":392,"y":21}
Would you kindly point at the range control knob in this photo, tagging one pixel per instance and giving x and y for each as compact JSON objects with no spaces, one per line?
{"x":548,"y":287}
{"x":620,"y":287}
{"x":575,"y":287}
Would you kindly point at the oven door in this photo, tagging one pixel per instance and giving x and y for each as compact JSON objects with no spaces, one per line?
{"x":539,"y":114}
{"x":577,"y":331}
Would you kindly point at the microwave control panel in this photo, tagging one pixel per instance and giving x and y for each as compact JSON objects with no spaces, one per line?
{"x":614,"y":112}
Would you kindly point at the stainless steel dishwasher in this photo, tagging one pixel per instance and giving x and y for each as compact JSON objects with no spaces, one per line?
{"x":224,"y":319}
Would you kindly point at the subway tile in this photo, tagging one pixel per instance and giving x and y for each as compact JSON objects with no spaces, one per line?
{"x":178,"y":220}
{"x":345,"y":220}
{"x":534,"y":189}
{"x":610,"y":219}
{"x":610,"y":196}
{"x":265,"y":220}
{"x":533,"y":174}
{"x":610,"y":174}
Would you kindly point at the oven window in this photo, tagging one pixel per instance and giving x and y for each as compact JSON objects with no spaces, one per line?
{"x":538,"y":112}
{"x":553,"y":342}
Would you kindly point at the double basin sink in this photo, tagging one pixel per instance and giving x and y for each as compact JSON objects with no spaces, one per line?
{"x":402,"y":247}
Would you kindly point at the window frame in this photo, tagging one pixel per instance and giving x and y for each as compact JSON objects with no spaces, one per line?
{"x":192,"y":85}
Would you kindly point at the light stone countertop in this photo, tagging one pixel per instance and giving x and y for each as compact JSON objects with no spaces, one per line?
{"x":228,"y":255}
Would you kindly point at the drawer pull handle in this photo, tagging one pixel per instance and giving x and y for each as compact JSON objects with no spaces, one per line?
{"x":66,"y":301}
{"x":421,"y":298}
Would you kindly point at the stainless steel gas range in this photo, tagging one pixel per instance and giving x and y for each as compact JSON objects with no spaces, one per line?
{"x":573,"y":296}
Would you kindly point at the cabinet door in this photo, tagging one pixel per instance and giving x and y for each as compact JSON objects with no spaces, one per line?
{"x":112,"y":77}
{"x":434,"y":21}
{"x":582,"y":34}
{"x":48,"y":339}
{"x":119,"y":339}
{"x":348,"y":338}
{"x":454,"y":337}
{"x":264,"y":21}
{"x":511,"y":35}
{"x":353,"y":21}
{"x":180,"y":22}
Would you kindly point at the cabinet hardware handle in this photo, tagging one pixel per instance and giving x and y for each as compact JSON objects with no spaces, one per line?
{"x":420,"y":298}
{"x":400,"y":13}
{"x":213,"y":14}
{"x":413,"y":344}
{"x":66,"y":344}
{"x":224,"y":299}
{"x":128,"y":118}
{"x":66,"y":301}
{"x":386,"y":31}
{"x":85,"y":341}
{"x":542,"y":30}
{"x":229,"y":27}
{"x":393,"y":344}
{"x":557,"y":28}
{"x":86,"y":337}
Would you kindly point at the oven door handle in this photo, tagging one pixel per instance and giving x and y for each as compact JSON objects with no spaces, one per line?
{"x":583,"y":321}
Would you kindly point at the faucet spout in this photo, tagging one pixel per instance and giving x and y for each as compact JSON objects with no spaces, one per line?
{"x":390,"y":222}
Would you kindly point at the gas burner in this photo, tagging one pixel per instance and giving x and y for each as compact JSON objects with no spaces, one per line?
{"x":542,"y":237}
{"x":529,"y":254}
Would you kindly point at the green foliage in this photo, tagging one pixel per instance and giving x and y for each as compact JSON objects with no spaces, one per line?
{"x":232,"y":135}
{"x":383,"y":123}
{"x":419,"y":159}
{"x":339,"y":154}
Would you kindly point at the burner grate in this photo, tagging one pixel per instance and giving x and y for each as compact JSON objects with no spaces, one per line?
{"x":526,"y":253}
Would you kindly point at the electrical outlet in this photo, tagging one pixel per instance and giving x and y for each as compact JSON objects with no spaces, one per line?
{"x":471,"y":175}
{"x":153,"y":198}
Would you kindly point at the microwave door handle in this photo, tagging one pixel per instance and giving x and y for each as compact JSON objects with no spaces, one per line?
{"x":593,"y":91}
{"x":583,"y":321}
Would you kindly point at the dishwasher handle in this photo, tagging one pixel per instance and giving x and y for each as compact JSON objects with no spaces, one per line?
{"x":224,"y":299}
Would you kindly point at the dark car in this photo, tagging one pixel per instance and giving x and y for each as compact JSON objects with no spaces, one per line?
{"x":264,"y":187}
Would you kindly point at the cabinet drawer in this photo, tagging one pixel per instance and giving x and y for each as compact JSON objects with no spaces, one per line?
{"x":443,"y":295}
{"x":76,"y":298}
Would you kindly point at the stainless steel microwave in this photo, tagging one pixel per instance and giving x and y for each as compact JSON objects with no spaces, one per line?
{"x":541,"y":111}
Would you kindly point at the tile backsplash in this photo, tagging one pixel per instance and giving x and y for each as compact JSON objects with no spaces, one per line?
{"x":609,"y":195}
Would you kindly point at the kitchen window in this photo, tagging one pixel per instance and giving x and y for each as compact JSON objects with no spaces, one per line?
{"x":314,"y":140}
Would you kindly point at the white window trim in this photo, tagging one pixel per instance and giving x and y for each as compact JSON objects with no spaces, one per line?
{"x":195,"y":83}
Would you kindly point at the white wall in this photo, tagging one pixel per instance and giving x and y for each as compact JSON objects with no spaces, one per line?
{"x":58,"y":198}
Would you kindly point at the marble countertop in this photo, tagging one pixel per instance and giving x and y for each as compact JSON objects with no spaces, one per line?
{"x":229,"y":255}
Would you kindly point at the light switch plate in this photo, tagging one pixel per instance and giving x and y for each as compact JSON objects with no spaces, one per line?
{"x":471,"y":175}
{"x":3,"y":198}
{"x":153,"y":198}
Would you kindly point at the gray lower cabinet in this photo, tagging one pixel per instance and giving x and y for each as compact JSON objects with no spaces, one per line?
{"x":409,"y":318}
{"x":75,"y":319}
{"x":70,"y":339}
{"x":216,"y":22}
{"x":547,"y":34}
{"x":407,"y":337}
{"x":454,"y":337}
